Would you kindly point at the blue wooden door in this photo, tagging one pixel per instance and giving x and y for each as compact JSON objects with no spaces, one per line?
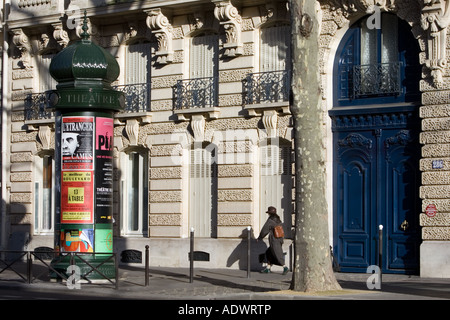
{"x":401,"y":178}
{"x":376,"y":182}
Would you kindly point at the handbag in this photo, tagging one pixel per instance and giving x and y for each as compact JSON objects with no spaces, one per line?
{"x":278,"y":231}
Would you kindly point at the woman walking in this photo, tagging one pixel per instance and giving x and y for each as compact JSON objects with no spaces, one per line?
{"x":274,"y":254}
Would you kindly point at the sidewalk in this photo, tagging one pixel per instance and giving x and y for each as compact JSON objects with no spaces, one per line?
{"x":223,"y":284}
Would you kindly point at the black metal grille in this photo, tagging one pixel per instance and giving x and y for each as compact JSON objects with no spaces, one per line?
{"x":137,"y":97}
{"x":267,"y":87}
{"x":196,"y":93}
{"x":36,"y":107}
{"x":379,"y":79}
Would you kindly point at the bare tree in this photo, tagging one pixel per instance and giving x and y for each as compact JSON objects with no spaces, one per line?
{"x":312,"y":263}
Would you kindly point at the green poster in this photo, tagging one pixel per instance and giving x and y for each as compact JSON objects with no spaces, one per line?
{"x":103,"y":240}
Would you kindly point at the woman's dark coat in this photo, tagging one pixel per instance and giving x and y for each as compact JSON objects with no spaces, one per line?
{"x":274,"y":253}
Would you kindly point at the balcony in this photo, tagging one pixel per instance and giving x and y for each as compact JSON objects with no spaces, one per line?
{"x":36,"y":108}
{"x":267,"y":90}
{"x":137,"y":97}
{"x":137,"y":103}
{"x":196,"y":96}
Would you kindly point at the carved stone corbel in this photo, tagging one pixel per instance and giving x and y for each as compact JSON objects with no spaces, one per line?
{"x":229,"y":17}
{"x":198,"y":127}
{"x":44,"y":135}
{"x":270,"y":122}
{"x":60,"y":35}
{"x":21,"y":41}
{"x":162,"y":29}
{"x":132,"y":130}
{"x":91,"y":29}
{"x":435,"y":19}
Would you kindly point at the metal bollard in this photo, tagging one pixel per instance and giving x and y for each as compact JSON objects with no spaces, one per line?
{"x":29,"y":267}
{"x":191,"y":258}
{"x":248,"y":251}
{"x":380,"y":250}
{"x":146,"y":265}
{"x":116,"y":267}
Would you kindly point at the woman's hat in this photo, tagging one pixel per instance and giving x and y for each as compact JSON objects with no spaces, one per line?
{"x":271,"y":210}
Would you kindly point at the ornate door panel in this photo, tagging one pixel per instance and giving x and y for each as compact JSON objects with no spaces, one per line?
{"x":354,"y":198}
{"x":376,"y":182}
{"x":402,"y":180}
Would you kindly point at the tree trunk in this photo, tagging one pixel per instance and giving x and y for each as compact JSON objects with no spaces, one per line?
{"x":312,"y":262}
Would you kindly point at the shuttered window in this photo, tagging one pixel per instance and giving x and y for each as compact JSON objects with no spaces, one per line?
{"x":46,"y":81}
{"x":275,"y":48}
{"x":203,"y":57}
{"x":202,"y":190}
{"x":137,"y":63}
{"x":276,"y":181}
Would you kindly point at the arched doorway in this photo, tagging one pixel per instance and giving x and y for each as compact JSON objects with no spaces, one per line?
{"x":375,"y":127}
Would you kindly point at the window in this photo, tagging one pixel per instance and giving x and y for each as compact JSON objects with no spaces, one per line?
{"x":276,"y":180}
{"x":272,"y":83}
{"x":43,"y":194}
{"x":203,"y":62}
{"x":46,"y":81}
{"x":275,"y":48}
{"x":134,"y":191}
{"x":137,"y":78}
{"x":201,"y":89}
{"x":377,"y":65}
{"x":137,"y":63}
{"x":203,"y":192}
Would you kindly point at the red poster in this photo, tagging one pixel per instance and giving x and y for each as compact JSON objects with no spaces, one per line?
{"x":77,"y":202}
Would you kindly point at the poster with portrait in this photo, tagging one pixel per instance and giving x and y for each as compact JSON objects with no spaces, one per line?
{"x":77,"y":143}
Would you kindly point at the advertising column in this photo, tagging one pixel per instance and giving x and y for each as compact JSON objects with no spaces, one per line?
{"x":86,"y":184}
{"x":85,"y":143}
{"x":84,"y":102}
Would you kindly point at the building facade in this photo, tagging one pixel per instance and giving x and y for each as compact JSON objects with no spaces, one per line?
{"x":206,"y":138}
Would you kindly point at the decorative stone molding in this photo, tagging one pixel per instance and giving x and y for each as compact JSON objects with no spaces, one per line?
{"x":186,"y":114}
{"x":22,"y":42}
{"x":229,"y":17}
{"x":44,"y":134}
{"x":132,"y":130}
{"x":198,"y":127}
{"x":135,"y":30}
{"x":352,"y":6}
{"x":270,"y":122}
{"x":32,"y":3}
{"x":60,"y":35}
{"x":92,"y":30}
{"x":435,"y":19}
{"x":162,"y":29}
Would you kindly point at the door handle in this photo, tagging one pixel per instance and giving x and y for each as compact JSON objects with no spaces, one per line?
{"x":404,"y":225}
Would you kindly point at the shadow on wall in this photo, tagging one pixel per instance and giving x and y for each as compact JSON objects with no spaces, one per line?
{"x":17,"y":236}
{"x":240,"y":253}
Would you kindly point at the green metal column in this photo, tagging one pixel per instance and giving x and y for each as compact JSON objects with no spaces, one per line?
{"x":85,"y":103}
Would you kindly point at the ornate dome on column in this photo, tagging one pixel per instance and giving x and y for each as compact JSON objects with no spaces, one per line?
{"x":84,"y":64}
{"x":84,"y":72}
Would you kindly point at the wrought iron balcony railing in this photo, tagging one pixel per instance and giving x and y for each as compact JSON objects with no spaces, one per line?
{"x":267,"y":87}
{"x":196,"y":93}
{"x":379,"y":79}
{"x":36,"y":107}
{"x":137,"y":97}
